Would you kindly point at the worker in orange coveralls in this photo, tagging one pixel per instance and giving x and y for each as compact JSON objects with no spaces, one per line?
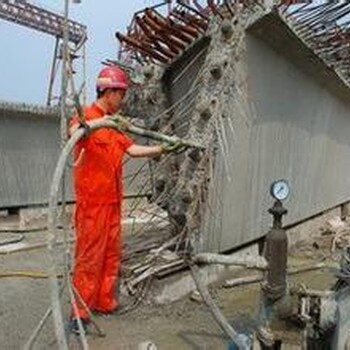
{"x":99,"y":193}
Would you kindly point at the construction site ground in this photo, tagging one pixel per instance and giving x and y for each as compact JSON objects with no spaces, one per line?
{"x":184,"y":324}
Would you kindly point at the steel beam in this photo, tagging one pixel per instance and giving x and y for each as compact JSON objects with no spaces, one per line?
{"x":28,"y":15}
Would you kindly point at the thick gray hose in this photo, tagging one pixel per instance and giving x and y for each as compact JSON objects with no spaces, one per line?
{"x":241,"y":340}
{"x":52,"y":223}
{"x":107,"y":122}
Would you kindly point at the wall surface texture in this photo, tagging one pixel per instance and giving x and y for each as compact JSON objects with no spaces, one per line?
{"x":296,"y":129}
{"x":29,"y":146}
{"x":284,"y":123}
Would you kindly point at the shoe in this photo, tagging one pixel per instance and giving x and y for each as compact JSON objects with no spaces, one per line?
{"x":74,"y":325}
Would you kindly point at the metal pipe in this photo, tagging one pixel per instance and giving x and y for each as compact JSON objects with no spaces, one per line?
{"x":214,"y":9}
{"x":166,"y":33}
{"x":155,"y":37}
{"x":152,"y":38}
{"x":158,"y":41}
{"x":229,"y":8}
{"x":57,"y":314}
{"x":187,"y":18}
{"x":177,"y":30}
{"x":52,"y":73}
{"x":146,"y":50}
{"x":190,"y":8}
{"x":276,"y":254}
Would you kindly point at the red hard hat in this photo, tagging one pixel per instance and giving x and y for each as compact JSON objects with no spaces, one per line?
{"x":112,"y":77}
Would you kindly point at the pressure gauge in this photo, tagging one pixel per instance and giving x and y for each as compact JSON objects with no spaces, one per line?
{"x":280,"y":190}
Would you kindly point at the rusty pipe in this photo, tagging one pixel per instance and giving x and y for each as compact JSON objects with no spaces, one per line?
{"x":178,"y":30}
{"x":190,"y":8}
{"x":157,"y":46}
{"x":147,"y":45}
{"x":163,"y":39}
{"x":276,"y":254}
{"x":146,"y":50}
{"x":185,"y":33}
{"x":229,"y":8}
{"x":188,"y":24}
{"x":163,"y":27}
{"x":177,"y":16}
{"x":189,"y":19}
{"x":152,"y":38}
{"x":214,"y":9}
{"x":167,"y":38}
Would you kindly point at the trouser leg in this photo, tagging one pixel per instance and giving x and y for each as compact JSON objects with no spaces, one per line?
{"x":107,"y":299}
{"x":91,"y":242}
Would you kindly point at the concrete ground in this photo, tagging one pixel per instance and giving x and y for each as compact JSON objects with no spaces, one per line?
{"x":184,"y":324}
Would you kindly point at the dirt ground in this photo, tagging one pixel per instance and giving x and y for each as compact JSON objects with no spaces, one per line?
{"x":185,"y":324}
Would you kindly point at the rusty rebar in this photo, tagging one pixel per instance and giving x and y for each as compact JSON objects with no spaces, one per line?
{"x":195,"y":11}
{"x":152,"y":38}
{"x":148,"y":51}
{"x":165,"y":33}
{"x":184,"y":33}
{"x":229,"y":7}
{"x":215,"y":9}
{"x":190,"y":20}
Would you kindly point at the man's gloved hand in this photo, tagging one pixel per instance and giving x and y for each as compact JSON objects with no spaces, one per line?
{"x":122,"y":123}
{"x":176,"y":147}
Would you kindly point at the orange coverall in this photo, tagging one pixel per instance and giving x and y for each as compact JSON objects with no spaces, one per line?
{"x":99,"y":193}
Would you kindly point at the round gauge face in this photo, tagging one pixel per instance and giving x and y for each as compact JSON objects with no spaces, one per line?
{"x":280,"y":190}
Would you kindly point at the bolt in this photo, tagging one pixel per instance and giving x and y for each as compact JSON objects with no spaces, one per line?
{"x":206,"y":114}
{"x":148,"y":72}
{"x":195,"y":154}
{"x":226,"y":29}
{"x":216,"y":71}
{"x":204,"y":111}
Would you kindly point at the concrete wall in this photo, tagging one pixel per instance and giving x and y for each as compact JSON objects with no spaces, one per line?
{"x":29,"y":149}
{"x":298,"y":129}
{"x":29,"y":145}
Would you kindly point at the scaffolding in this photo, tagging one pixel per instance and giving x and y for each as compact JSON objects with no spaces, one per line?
{"x":31,"y":16}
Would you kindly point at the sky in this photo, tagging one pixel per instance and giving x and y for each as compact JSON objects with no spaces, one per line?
{"x":26,"y":54}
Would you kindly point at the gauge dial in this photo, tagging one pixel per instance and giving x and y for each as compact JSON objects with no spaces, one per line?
{"x":280,"y":190}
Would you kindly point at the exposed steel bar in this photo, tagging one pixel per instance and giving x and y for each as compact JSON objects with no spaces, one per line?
{"x":176,"y":16}
{"x":152,"y":7}
{"x":142,"y":47}
{"x":153,"y":39}
{"x":177,"y":29}
{"x":187,"y":22}
{"x":158,"y":46}
{"x":214,"y":9}
{"x":189,"y":28}
{"x":165,"y":33}
{"x":198,"y":6}
{"x":190,"y":8}
{"x":324,"y":28}
{"x":229,"y":8}
{"x":162,"y":38}
{"x":189,"y":19}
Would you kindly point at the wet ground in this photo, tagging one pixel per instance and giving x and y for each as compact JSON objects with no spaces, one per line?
{"x":185,"y":324}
